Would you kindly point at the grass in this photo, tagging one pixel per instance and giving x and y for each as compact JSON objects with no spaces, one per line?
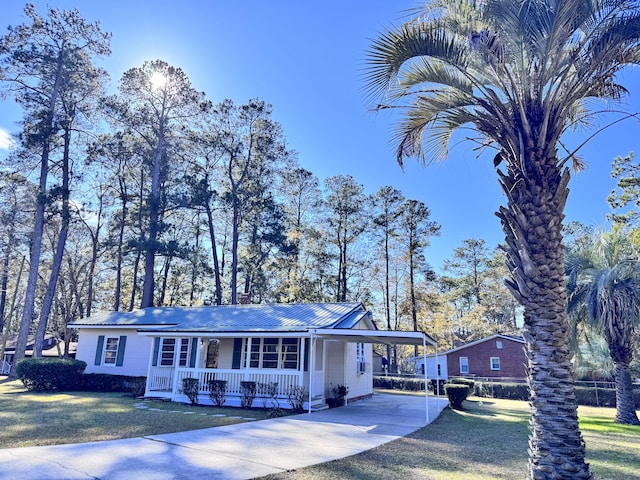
{"x":30,"y":419}
{"x":487,"y":440}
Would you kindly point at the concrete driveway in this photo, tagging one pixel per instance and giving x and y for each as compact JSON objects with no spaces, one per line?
{"x":241,"y":451}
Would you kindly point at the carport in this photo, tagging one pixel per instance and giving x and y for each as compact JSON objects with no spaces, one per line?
{"x":385,"y":337}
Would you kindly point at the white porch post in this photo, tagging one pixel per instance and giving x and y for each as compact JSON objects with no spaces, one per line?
{"x":312,"y":367}
{"x":426,"y":376}
{"x":247,"y":358}
{"x":149,"y":379}
{"x":438,"y":376}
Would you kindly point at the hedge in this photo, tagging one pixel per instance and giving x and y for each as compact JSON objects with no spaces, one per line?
{"x":595,"y":397}
{"x":50,"y":374}
{"x":104,"y":382}
{"x":511,"y":391}
{"x":410,"y":384}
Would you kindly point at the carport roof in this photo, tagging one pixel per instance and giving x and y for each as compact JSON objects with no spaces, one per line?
{"x":387,"y":337}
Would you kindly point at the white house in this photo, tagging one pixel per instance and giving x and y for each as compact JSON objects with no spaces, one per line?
{"x":315,"y":346}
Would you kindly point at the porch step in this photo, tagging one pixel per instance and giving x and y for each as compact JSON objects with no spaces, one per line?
{"x":319,"y":407}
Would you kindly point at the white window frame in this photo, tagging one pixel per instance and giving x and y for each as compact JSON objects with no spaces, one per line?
{"x":110,"y":351}
{"x":167,"y":356}
{"x":499,"y":344}
{"x":494,"y":366}
{"x":264,"y":351}
{"x":464,"y":366}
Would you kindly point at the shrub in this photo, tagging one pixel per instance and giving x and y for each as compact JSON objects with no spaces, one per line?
{"x":464,"y":381}
{"x":191,"y":388}
{"x":104,"y":382}
{"x":456,"y":394}
{"x":217,"y":392}
{"x":50,"y":374}
{"x":297,"y":395}
{"x":269,"y":394}
{"x":248,"y":391}
{"x":511,"y":391}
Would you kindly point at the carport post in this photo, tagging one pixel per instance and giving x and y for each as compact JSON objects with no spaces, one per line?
{"x":312,"y":367}
{"x":426,"y":376}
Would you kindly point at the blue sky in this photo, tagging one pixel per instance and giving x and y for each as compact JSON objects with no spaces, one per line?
{"x":306,"y":58}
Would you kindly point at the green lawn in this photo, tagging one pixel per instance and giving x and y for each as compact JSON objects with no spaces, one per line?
{"x":28,"y":419}
{"x":488,"y":440}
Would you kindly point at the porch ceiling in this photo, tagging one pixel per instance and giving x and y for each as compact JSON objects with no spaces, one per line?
{"x":376,"y":336}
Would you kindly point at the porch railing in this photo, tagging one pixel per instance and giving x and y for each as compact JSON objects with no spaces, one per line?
{"x":168,"y":379}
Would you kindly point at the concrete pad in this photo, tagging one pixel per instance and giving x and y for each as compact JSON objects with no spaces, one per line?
{"x":234,"y":452}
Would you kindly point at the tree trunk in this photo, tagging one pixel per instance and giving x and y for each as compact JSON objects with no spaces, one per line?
{"x":47,"y":302}
{"x":532,"y":223}
{"x":234,"y":251}
{"x":148,"y":286}
{"x":38,"y":228}
{"x":625,"y":404}
{"x":214,"y":253}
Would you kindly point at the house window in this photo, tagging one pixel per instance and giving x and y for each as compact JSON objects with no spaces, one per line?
{"x":167,"y":352}
{"x":110,"y":351}
{"x":464,"y":365}
{"x":361,"y":365}
{"x":274,"y":353}
{"x":495,"y":363}
{"x":499,"y":344}
{"x":270,"y":352}
{"x":290,"y":353}
{"x":184,"y":352}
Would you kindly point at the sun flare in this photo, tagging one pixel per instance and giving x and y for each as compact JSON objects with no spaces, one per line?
{"x":158,"y":80}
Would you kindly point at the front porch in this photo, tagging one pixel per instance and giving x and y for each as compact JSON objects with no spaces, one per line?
{"x":166,"y":382}
{"x":266,"y":360}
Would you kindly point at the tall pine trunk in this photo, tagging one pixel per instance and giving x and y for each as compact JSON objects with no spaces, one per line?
{"x":38,"y":228}
{"x":47,"y":302}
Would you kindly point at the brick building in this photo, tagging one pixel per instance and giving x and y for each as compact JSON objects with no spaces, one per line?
{"x":497,"y":356}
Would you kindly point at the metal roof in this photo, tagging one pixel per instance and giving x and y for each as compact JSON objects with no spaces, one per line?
{"x":234,"y":318}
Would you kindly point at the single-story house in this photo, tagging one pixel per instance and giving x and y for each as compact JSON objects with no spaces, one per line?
{"x":51,"y":347}
{"x":312,"y":346}
{"x":496,"y":356}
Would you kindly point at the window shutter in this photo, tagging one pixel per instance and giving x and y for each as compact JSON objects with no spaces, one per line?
{"x":307,"y":353}
{"x":237,"y":353}
{"x":120,"y":355}
{"x":98,"y":359}
{"x":156,"y":349}
{"x":194,"y":349}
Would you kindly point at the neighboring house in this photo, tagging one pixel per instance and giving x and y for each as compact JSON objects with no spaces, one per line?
{"x":497,"y":356}
{"x":50,"y":348}
{"x":314,"y":346}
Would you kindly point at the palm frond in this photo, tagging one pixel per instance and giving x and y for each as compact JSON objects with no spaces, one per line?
{"x":394,"y":48}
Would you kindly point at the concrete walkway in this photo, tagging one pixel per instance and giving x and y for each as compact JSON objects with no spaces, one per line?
{"x":235,"y":452}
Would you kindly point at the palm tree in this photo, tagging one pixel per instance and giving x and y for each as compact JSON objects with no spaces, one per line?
{"x":604,"y":286}
{"x":521,"y":73}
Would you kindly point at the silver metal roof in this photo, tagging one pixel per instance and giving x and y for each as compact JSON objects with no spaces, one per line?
{"x":234,"y":318}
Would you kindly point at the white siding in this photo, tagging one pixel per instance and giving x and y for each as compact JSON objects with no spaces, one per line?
{"x":136,"y":353}
{"x":334,"y":365}
{"x":431,"y":367}
{"x":225,"y":355}
{"x":359,"y":384}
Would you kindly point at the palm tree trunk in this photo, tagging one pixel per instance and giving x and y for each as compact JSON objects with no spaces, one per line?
{"x":532,"y":223}
{"x":625,"y":404}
